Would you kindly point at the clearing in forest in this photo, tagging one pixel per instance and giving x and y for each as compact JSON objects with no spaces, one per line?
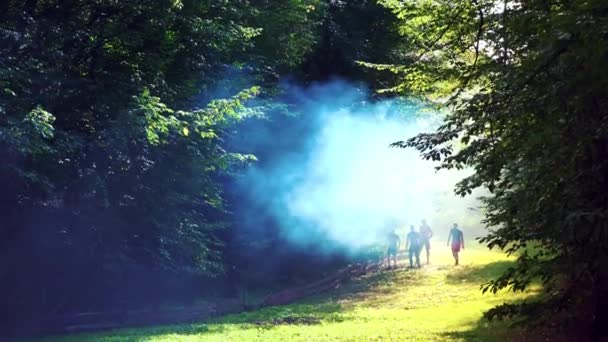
{"x":438,"y":302}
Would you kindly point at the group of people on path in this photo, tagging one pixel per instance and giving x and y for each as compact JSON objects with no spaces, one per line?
{"x":416,"y":240}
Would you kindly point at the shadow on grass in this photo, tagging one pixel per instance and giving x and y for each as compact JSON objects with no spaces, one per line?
{"x":385,"y":282}
{"x":479,"y":274}
{"x":332,"y":306}
{"x":501,"y":330}
{"x":137,"y":334}
{"x":484,"y":330}
{"x":266,"y":318}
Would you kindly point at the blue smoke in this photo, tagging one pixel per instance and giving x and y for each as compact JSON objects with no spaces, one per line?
{"x":334,"y":180}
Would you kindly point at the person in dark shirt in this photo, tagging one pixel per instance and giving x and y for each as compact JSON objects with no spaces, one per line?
{"x":457,"y":239}
{"x":427,"y":234}
{"x":413,"y":244}
{"x":393,"y":247}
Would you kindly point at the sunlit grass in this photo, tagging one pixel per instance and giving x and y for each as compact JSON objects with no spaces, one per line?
{"x":438,"y":302}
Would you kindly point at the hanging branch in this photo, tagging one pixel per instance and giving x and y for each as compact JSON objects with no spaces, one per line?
{"x":441,"y":35}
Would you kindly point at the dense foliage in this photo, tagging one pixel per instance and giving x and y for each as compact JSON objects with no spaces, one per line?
{"x":111,"y":141}
{"x":117,"y":122}
{"x":527,"y":93}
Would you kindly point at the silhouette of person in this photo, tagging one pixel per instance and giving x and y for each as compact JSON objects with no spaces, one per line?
{"x":393,"y":247}
{"x":413,"y":245}
{"x":457,"y":238}
{"x":427,"y":234}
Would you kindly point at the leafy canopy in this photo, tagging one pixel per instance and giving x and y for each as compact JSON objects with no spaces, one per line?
{"x":526,"y":95}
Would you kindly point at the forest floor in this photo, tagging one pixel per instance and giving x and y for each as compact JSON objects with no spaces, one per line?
{"x":438,"y":302}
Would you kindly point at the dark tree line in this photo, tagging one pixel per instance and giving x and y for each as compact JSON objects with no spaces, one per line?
{"x":115,"y":118}
{"x":109,"y":168}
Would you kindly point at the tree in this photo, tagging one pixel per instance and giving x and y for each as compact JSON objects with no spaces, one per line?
{"x":352,"y":31}
{"x":526,"y":93}
{"x":111,"y":136}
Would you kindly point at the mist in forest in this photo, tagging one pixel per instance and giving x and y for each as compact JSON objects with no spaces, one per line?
{"x":341,"y":184}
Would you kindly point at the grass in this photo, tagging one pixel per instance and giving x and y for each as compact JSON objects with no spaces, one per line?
{"x":436,"y":303}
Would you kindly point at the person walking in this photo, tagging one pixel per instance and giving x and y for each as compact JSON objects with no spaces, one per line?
{"x":393,"y":248}
{"x":413,"y":244}
{"x":427,"y":234}
{"x":457,"y":238}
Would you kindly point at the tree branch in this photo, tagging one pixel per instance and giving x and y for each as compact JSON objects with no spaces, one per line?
{"x":441,"y":35}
